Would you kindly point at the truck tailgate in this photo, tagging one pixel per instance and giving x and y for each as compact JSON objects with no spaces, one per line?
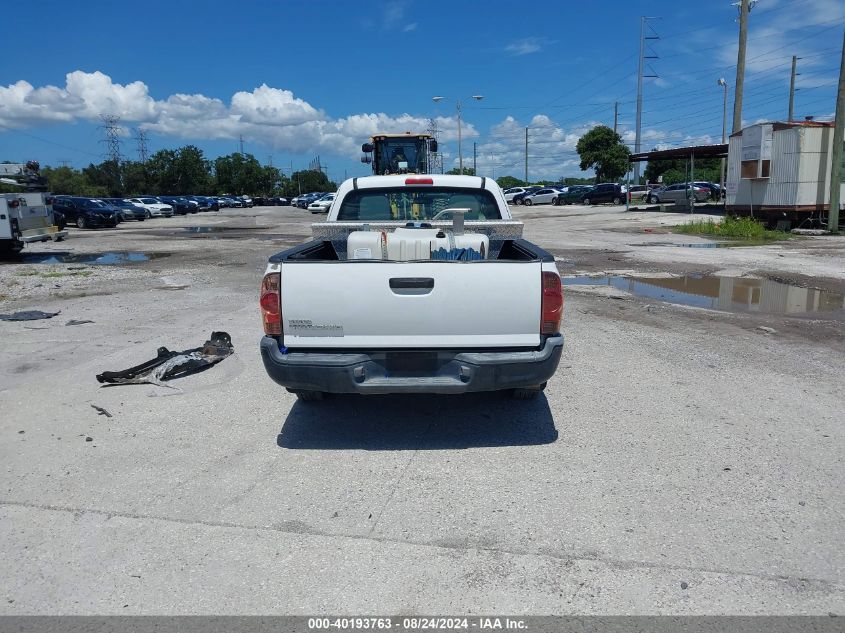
{"x":423,"y":305}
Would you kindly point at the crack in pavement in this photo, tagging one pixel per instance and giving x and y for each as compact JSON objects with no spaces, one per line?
{"x":819,"y":583}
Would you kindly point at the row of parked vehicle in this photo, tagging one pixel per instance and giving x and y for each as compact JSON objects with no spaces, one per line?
{"x":613,"y":193}
{"x":315,"y":202}
{"x":109,"y":212}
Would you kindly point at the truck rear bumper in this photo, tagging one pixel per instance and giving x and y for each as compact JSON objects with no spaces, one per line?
{"x":42,"y":235}
{"x":433,"y":371}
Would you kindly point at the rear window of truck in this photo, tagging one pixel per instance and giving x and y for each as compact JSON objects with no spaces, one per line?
{"x":417,"y":203}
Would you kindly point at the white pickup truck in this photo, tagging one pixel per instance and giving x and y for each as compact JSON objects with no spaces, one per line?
{"x":413,"y":284}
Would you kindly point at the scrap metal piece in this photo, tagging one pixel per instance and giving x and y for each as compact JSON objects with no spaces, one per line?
{"x":28,"y":315}
{"x":168,"y":365}
{"x":101,"y":411}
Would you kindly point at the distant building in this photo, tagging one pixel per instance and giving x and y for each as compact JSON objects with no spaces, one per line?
{"x":780,"y":171}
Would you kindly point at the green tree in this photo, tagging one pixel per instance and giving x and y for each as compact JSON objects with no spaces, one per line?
{"x":136,"y":179}
{"x":468,"y":171}
{"x":309,"y":180}
{"x":506,"y":182}
{"x":238,"y":174}
{"x":602,"y":150}
{"x":677,"y":170}
{"x":64,"y":180}
{"x":102,"y":180}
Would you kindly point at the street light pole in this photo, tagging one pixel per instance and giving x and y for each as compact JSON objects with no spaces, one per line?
{"x":724,"y":85}
{"x":438,"y":99}
{"x":460,"y":151}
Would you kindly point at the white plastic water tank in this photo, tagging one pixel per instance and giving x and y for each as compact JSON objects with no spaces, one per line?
{"x":406,"y":244}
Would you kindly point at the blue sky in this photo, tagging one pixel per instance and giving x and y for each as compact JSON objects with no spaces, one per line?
{"x":300,"y":79}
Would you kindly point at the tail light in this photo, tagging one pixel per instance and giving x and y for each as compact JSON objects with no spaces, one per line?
{"x":419,"y":181}
{"x":271,"y":304}
{"x":552,"y":306}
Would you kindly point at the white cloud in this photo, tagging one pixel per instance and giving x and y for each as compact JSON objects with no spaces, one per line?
{"x":393,"y":13}
{"x":271,"y":106}
{"x":270,"y":116}
{"x":409,"y":27}
{"x":525,"y":46}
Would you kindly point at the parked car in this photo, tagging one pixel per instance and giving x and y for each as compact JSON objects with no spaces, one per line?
{"x":604,"y":192}
{"x":321,"y":205}
{"x":127,"y":210}
{"x":278,"y":201}
{"x":308,"y":198}
{"x":520,"y":197}
{"x":572,"y":195}
{"x":510,"y":193}
{"x":247,"y":201}
{"x":154,"y":207}
{"x":86,"y":213}
{"x":180,"y":205}
{"x":638,"y":193}
{"x":207,"y":203}
{"x":678,"y":193}
{"x":200,"y":201}
{"x":541,"y":196}
{"x":234,"y":203}
{"x":715,"y":190}
{"x":259,"y":201}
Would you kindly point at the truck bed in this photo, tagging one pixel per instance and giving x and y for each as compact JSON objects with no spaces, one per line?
{"x":329,"y":302}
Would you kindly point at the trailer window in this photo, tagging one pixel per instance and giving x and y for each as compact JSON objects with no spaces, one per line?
{"x":416,"y":203}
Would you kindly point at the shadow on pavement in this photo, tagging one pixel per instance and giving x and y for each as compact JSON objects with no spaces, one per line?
{"x":417,"y":422}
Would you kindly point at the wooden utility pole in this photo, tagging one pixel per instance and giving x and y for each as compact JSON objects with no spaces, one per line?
{"x":740,"y":65}
{"x":792,"y":90}
{"x":836,"y":152}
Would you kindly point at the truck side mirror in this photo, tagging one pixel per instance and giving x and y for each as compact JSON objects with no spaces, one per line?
{"x":367,"y":148}
{"x":432,"y":145}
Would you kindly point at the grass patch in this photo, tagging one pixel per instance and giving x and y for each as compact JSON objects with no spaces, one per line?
{"x":736,"y":228}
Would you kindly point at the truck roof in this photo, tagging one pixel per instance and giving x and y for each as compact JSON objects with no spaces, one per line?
{"x":438,"y":180}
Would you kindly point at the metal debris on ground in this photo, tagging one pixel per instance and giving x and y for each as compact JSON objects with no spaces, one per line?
{"x":168,"y":365}
{"x":101,"y":411}
{"x":78,"y":322}
{"x":28,"y":315}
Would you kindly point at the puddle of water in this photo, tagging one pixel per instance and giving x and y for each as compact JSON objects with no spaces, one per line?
{"x":696,"y":245}
{"x":91,"y":258}
{"x":729,"y":294}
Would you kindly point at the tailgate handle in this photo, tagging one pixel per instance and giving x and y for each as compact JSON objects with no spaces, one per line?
{"x":412,"y":283}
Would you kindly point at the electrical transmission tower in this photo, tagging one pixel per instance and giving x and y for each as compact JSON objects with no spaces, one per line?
{"x":141,"y":140}
{"x":435,"y":159}
{"x":111,"y":126}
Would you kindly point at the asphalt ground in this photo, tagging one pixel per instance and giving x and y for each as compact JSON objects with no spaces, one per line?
{"x":681,"y":461}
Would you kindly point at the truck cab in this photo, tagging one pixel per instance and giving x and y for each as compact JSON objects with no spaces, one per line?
{"x":399,"y":153}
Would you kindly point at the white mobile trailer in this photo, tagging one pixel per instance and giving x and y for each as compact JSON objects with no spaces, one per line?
{"x":781,"y":171}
